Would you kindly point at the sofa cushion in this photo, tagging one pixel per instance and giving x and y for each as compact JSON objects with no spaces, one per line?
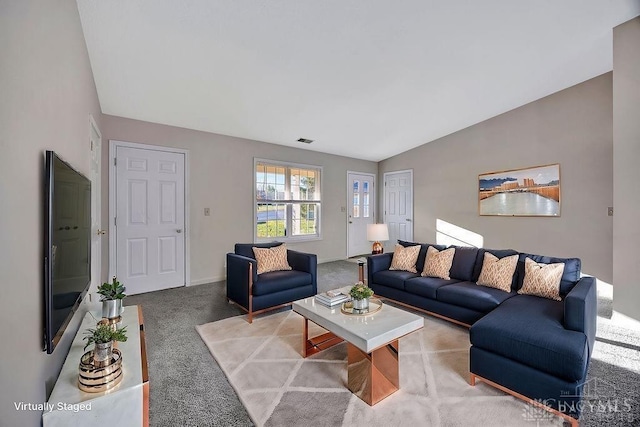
{"x":426,"y":286}
{"x":542,"y":280}
{"x":529,"y":330}
{"x":423,"y":251}
{"x":499,"y":253}
{"x":405,"y":257}
{"x":393,"y":278}
{"x":276,"y":281}
{"x":570,"y":276}
{"x":464,"y":262}
{"x":498,"y":272}
{"x":438,"y":263}
{"x":470,"y":295}
{"x":246,"y":249}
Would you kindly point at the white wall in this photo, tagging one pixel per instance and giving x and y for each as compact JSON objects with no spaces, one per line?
{"x":47,"y":93}
{"x":222,"y":178}
{"x":572,"y":127}
{"x":626,"y":162}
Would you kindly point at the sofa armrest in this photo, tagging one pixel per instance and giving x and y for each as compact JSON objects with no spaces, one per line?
{"x":377,"y":263}
{"x":581,"y":309}
{"x":308,"y":263}
{"x":238,"y":277}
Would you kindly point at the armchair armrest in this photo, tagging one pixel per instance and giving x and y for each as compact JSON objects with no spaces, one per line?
{"x":377,"y":263}
{"x":581,"y":309}
{"x":308,"y":263}
{"x":238,"y":277}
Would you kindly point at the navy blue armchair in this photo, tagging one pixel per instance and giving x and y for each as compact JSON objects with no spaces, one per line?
{"x":268,"y":291}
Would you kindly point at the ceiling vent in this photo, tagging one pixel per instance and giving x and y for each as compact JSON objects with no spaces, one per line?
{"x":305,"y":140}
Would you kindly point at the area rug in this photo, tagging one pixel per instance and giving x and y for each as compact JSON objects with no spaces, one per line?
{"x":279,"y":387}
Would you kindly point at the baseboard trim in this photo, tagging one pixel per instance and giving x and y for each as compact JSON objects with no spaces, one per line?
{"x":207,"y":280}
{"x":325,"y":260}
{"x":223,"y":278}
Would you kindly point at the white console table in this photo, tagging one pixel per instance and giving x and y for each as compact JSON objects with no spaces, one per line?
{"x":127,"y":404}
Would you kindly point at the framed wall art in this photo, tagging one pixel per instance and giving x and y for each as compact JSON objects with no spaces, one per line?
{"x":533,"y":191}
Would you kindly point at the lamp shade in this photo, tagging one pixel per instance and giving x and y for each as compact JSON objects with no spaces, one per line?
{"x":377,"y":232}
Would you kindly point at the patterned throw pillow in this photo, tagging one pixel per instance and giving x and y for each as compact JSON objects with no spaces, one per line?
{"x":498,"y":272}
{"x":271,"y":259}
{"x":404,"y":258}
{"x":438,"y":263}
{"x":542,"y":280}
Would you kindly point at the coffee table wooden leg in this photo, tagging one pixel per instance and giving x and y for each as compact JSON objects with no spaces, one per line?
{"x":373,"y":376}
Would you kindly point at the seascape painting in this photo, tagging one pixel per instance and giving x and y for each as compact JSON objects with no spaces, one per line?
{"x":533,"y":191}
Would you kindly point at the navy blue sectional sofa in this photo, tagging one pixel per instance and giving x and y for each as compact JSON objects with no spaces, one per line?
{"x":531,"y":347}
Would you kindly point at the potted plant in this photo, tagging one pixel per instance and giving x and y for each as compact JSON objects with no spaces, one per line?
{"x":360,"y":294}
{"x":111,"y":295}
{"x":103,"y":337}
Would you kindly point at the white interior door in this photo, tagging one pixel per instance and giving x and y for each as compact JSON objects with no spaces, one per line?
{"x":398,"y":205}
{"x":360,"y":212}
{"x":150,"y":219}
{"x":96,"y":217}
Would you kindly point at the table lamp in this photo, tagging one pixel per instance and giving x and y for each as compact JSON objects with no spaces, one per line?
{"x":377,"y":233}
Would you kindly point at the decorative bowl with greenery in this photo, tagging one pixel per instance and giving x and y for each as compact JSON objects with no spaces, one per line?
{"x":104,"y":334}
{"x":360,"y":291}
{"x":103,"y":337}
{"x":111,"y":291}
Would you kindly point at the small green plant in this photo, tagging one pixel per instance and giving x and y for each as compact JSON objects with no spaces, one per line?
{"x":103,"y":334}
{"x":360,"y":291}
{"x":110,"y":291}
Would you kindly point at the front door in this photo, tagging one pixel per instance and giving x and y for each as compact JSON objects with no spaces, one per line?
{"x":398,"y":205}
{"x":360,"y":212}
{"x":150,"y":219}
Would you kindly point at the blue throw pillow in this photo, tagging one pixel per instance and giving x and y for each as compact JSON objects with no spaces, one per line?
{"x":464,"y":262}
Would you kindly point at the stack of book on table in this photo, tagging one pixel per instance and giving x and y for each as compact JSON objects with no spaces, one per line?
{"x":334,"y":297}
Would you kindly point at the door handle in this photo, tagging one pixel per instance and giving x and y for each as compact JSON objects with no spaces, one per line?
{"x":350,"y":222}
{"x":179,"y":230}
{"x":408,"y":219}
{"x":101,"y":232}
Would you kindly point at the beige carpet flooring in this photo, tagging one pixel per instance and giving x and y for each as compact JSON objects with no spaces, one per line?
{"x":279,"y":387}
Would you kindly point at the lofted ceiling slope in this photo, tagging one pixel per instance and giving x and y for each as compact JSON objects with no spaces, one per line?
{"x":362,"y":78}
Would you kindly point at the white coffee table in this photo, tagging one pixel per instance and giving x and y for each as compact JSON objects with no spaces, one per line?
{"x":372,"y":344}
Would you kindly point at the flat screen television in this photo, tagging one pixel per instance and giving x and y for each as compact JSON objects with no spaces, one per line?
{"x":67,"y":245}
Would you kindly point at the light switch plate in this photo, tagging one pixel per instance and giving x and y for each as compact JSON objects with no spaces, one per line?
{"x":207,"y":211}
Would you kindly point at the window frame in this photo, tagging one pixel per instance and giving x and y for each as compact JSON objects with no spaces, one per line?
{"x":288,"y":202}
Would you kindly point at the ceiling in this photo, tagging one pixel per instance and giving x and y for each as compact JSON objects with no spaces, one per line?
{"x":362,"y":78}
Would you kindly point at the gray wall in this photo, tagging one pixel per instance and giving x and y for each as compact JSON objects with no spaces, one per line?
{"x":572,"y":127}
{"x":221,"y":178}
{"x":626,"y":176}
{"x":47,"y":95}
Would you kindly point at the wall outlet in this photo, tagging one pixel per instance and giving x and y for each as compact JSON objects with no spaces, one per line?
{"x":610,"y":211}
{"x":207,"y":211}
